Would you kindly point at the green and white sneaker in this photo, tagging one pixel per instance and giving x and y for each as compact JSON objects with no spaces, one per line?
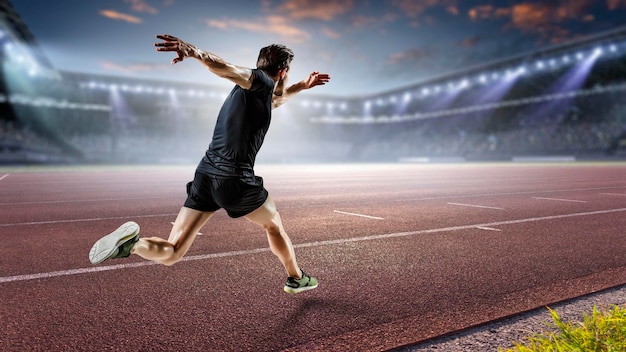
{"x":305,"y":283}
{"x":117,"y":244}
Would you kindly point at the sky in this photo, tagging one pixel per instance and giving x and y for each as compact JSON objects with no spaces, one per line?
{"x":366,"y":46}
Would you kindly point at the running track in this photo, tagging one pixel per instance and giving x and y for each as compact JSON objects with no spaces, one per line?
{"x":403,"y":253}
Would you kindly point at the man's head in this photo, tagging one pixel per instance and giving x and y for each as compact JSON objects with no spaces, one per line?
{"x":274,"y":58}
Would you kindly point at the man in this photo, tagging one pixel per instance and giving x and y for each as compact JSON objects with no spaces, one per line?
{"x":225,"y":176}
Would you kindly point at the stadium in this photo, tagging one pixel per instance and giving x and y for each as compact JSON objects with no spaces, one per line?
{"x":428,"y":211}
{"x":564,"y":101}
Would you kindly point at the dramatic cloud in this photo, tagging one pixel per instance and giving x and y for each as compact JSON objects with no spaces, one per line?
{"x":408,"y":56}
{"x":487,"y":12}
{"x":414,"y":8}
{"x":616,"y":4}
{"x":331,"y":33}
{"x":530,"y":15}
{"x":120,"y":16}
{"x":316,"y":9}
{"x":277,"y":25}
{"x":141,"y":6}
{"x":545,"y":19}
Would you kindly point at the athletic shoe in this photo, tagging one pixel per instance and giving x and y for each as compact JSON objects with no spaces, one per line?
{"x":306,"y":283}
{"x":117,"y":244}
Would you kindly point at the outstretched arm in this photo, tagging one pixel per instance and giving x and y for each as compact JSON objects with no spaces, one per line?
{"x":282,"y":95}
{"x":241,"y":76}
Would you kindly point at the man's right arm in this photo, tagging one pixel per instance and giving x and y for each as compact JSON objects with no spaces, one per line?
{"x":241,"y":76}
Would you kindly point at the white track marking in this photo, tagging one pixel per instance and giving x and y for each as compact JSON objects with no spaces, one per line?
{"x":510,"y":193}
{"x":614,"y":194}
{"x":26,"y":277}
{"x":361,"y":215}
{"x":561,"y":200}
{"x":3,"y":177}
{"x":84,"y":220}
{"x":82,"y":200}
{"x":475,"y":206}
{"x":395,"y":200}
{"x":487,"y":228}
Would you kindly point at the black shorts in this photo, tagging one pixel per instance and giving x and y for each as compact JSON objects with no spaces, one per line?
{"x":238,"y":197}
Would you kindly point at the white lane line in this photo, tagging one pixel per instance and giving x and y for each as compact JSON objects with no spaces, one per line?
{"x":3,"y":177}
{"x":84,"y":220}
{"x":82,"y":200}
{"x":487,"y":228}
{"x":510,"y":193}
{"x":614,"y":194}
{"x":361,"y":215}
{"x":475,"y":206}
{"x":26,"y":277}
{"x":561,"y":199}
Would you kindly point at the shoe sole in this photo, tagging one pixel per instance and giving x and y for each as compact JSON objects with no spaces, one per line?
{"x":104,"y":248}
{"x":299,"y":289}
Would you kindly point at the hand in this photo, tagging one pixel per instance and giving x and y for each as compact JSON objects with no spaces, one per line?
{"x":316,"y":79}
{"x":182,"y":49}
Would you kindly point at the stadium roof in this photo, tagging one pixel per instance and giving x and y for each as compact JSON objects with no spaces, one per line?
{"x":12,"y":25}
{"x":617,"y":35}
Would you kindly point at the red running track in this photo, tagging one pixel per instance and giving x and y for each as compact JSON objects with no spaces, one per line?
{"x":403,"y":253}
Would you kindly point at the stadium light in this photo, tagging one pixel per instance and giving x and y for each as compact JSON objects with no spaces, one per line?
{"x":598,"y":51}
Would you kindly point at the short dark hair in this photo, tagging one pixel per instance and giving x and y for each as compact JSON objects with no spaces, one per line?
{"x":274,"y":58}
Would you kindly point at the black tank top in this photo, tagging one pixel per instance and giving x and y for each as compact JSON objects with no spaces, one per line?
{"x":240,"y":130}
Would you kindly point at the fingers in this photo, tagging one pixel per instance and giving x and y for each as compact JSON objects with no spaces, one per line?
{"x":178,"y":59}
{"x":170,"y":43}
{"x":322,"y":78}
{"x":166,"y":37}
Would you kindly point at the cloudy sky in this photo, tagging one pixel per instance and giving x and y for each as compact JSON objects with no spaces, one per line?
{"x":367,"y":46}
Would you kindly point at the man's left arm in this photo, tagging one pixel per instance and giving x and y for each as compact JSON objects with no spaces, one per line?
{"x":282,"y":95}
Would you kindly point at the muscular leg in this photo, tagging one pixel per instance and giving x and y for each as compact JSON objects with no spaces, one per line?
{"x":267,"y":216}
{"x":187,"y":225}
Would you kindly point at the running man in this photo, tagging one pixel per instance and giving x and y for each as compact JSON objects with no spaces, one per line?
{"x":225,"y":176}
